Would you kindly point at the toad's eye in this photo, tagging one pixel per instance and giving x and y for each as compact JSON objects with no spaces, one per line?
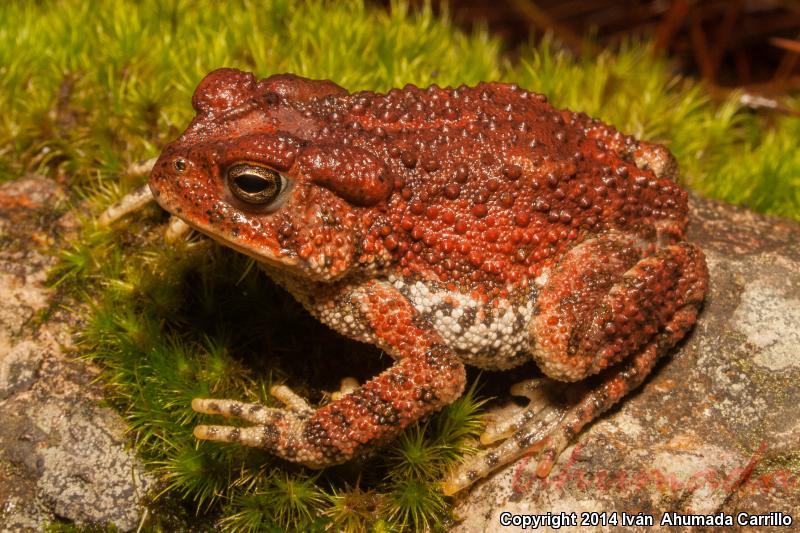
{"x":255,"y":184}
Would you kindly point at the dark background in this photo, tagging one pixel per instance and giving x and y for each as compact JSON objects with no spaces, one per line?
{"x":749,"y":44}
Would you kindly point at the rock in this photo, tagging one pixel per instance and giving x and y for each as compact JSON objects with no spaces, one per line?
{"x":61,"y":454}
{"x":716,"y":429}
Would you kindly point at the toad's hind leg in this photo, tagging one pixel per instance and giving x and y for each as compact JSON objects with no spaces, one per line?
{"x":544,"y":407}
{"x":616,"y":384}
{"x":549,"y":401}
{"x":346,"y":386}
{"x":644,"y":313}
{"x":551,"y":428}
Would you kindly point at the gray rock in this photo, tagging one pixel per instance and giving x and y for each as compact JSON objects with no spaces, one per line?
{"x":716,"y":429}
{"x":61,"y":454}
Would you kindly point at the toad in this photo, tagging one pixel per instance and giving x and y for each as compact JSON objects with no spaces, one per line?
{"x":447,"y":226}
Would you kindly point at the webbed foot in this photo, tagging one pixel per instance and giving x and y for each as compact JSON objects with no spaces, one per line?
{"x":522,"y":432}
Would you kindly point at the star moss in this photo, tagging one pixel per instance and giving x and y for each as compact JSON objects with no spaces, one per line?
{"x":90,"y":87}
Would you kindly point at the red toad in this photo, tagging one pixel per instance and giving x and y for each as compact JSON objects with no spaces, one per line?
{"x":473,"y":225}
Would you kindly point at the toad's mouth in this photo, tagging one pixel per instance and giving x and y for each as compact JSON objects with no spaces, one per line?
{"x":261,"y":254}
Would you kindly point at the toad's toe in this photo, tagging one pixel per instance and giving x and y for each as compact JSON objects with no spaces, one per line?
{"x":548,"y":399}
{"x":346,"y":386}
{"x":524,"y":432}
{"x":293,"y":401}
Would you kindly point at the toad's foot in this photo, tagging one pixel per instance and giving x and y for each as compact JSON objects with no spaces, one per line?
{"x":133,"y":202}
{"x":547,"y":404}
{"x":549,"y":429}
{"x":130,"y":203}
{"x":524,"y":431}
{"x":271,"y":425}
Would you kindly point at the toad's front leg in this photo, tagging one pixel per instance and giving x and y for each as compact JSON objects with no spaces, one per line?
{"x":426,"y":377}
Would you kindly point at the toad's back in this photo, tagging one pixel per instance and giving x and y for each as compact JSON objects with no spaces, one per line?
{"x":490,"y":183}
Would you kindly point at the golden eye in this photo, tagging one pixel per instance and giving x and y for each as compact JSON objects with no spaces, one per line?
{"x":254,"y":184}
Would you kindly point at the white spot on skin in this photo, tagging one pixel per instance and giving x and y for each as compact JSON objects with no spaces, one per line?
{"x":772,"y":323}
{"x":497,"y":333}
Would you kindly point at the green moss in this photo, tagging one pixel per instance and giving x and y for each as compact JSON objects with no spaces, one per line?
{"x":67,"y":527}
{"x":196,"y":321}
{"x":87,"y":88}
{"x":81,"y":105}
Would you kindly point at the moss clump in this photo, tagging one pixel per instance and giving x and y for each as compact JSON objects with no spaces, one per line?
{"x":87,"y":88}
{"x":197,"y":320}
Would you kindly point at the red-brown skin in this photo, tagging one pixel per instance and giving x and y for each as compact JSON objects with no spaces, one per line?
{"x":476,"y":191}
